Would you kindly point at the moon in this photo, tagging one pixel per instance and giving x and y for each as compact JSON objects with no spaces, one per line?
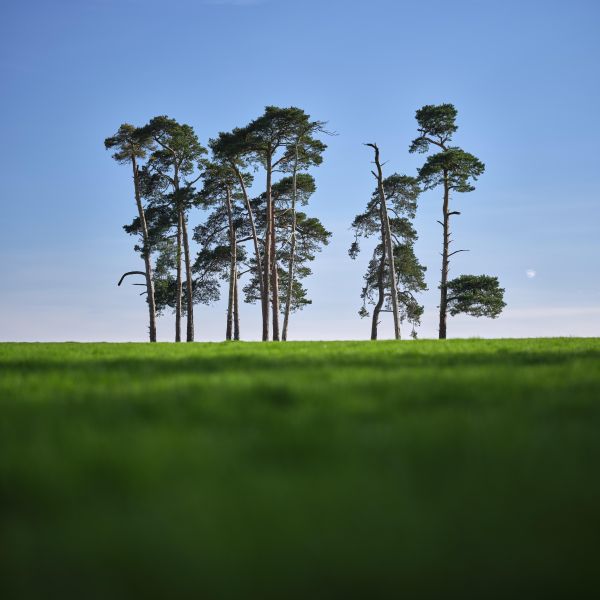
{"x":530,"y":273}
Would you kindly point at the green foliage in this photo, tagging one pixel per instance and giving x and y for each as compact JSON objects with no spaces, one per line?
{"x":129,"y":142}
{"x":436,"y":126}
{"x":282,"y":137}
{"x":458,"y":166}
{"x":217,"y":178}
{"x":401,"y":193}
{"x":300,"y":470}
{"x":165,"y":290}
{"x":311,"y":237}
{"x":475,"y":295}
{"x":284,"y":189}
{"x":214,"y":257}
{"x":231,"y":147}
{"x":178,"y":152}
{"x":159,"y":221}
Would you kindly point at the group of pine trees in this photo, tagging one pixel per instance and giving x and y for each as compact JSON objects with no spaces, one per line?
{"x":264,"y":244}
{"x":394,"y":274}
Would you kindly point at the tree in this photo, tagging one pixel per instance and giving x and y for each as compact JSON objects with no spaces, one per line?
{"x":174,"y":163}
{"x":387,"y":241}
{"x":270,"y":139}
{"x":475,"y":295}
{"x":453,"y":169}
{"x":218,"y":235}
{"x":304,"y":151}
{"x":231,"y":149}
{"x":311,"y":236}
{"x":162,"y":228}
{"x":301,"y":237}
{"x":131,"y":144}
{"x":401,"y":193}
{"x":280,"y":140}
{"x":205,"y":284}
{"x":266,"y":135}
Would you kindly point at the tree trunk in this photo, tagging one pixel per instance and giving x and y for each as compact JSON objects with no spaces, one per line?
{"x":445,"y":261}
{"x":264,"y":299}
{"x":380,"y":281}
{"x":388,"y":243}
{"x":236,"y":310}
{"x":147,"y":255}
{"x":179,"y":290}
{"x":379,"y":305}
{"x":271,"y":282}
{"x":229,"y":317}
{"x":275,"y":287}
{"x":288,"y":297}
{"x":189,"y":282}
{"x":232,"y":269}
{"x":182,"y":235}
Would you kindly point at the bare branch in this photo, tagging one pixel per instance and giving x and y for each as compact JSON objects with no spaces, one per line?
{"x":191,"y":183}
{"x":456,"y":252}
{"x":131,"y":273}
{"x":441,"y":143}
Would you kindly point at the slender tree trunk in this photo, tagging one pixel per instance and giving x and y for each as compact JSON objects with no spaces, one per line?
{"x":232,"y":269}
{"x":179,"y":285}
{"x":189,"y":282}
{"x":183,"y":237}
{"x":236,"y":310}
{"x":146,"y":253}
{"x":267,"y":264}
{"x":380,"y":281}
{"x":264,"y":298}
{"x":229,"y":323}
{"x":445,"y":261}
{"x":291,"y":265}
{"x":389,"y":246}
{"x":275,"y":286}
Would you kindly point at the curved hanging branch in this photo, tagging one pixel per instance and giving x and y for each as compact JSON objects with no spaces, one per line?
{"x":131,"y":273}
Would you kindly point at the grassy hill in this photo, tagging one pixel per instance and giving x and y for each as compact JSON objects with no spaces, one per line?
{"x":300,"y":470}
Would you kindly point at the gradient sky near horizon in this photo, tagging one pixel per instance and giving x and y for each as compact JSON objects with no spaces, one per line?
{"x":524,"y":76}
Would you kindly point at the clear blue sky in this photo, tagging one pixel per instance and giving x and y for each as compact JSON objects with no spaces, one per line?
{"x":524,"y":76}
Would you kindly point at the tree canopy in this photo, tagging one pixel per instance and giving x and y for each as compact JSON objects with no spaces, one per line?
{"x":475,"y":295}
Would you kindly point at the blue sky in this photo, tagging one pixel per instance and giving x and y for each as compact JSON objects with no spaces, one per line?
{"x":523,"y":74}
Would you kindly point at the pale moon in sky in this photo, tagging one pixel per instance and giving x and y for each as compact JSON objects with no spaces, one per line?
{"x":530,"y":273}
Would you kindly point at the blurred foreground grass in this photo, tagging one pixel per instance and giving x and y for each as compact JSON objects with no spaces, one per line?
{"x":465,"y":468}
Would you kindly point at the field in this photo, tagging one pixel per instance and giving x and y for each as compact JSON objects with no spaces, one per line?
{"x":465,"y":468}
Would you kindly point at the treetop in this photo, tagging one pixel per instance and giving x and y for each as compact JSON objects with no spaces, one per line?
{"x":130,"y":142}
{"x":437,"y":124}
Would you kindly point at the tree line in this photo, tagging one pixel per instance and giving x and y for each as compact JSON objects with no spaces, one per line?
{"x":263,"y":246}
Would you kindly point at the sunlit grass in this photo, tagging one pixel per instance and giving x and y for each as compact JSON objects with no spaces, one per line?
{"x":300,"y":470}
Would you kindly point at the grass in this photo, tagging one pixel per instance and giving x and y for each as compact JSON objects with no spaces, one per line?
{"x":466,"y":468}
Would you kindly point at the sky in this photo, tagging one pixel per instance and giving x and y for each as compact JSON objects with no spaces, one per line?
{"x":523,"y":75}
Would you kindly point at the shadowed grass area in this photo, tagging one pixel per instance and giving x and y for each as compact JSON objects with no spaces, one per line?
{"x":300,"y":470}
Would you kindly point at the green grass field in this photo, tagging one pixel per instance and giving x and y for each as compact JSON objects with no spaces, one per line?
{"x":302,"y":470}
